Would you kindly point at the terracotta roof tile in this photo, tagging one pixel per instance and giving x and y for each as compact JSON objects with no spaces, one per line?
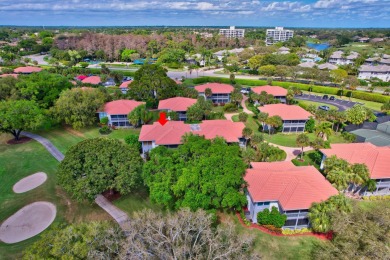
{"x":376,"y":158}
{"x":273,"y":90}
{"x":216,"y":88}
{"x":121,"y":107}
{"x":172,"y":131}
{"x":9,"y":75}
{"x":176,"y":103}
{"x":286,"y":112}
{"x":295,"y":188}
{"x":95,"y":80}
{"x":27,"y":69}
{"x":125,"y":84}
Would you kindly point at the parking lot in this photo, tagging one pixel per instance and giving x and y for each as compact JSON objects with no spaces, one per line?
{"x":341,"y":104}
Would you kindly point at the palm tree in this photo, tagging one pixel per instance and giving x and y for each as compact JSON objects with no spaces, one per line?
{"x":247,"y":133}
{"x":302,"y":141}
{"x":208,"y":93}
{"x":256,"y":140}
{"x":361,"y":174}
{"x":323,"y":130}
{"x":339,"y":179}
{"x":371,"y":185}
{"x":262,"y":118}
{"x":319,"y":216}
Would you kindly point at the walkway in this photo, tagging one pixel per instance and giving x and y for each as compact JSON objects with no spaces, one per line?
{"x":120,"y":216}
{"x":292,"y":152}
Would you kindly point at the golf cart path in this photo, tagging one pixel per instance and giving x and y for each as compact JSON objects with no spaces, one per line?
{"x":120,"y":216}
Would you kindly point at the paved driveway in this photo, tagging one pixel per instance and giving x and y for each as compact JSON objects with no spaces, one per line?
{"x":339,"y":103}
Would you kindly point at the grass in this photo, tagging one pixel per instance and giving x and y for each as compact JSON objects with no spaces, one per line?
{"x":309,"y":158}
{"x":64,"y":138}
{"x":273,"y":247}
{"x":289,"y":139}
{"x":135,"y":202}
{"x":317,"y":104}
{"x":19,"y":161}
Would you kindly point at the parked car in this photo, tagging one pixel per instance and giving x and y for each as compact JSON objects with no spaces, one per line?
{"x":332,"y":98}
{"x":245,"y":90}
{"x":325,"y":97}
{"x":326,"y":108}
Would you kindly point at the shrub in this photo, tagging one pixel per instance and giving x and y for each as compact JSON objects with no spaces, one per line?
{"x":105,"y":130}
{"x":350,"y":138}
{"x":229,"y":107}
{"x":216,"y":115}
{"x":242,"y":117}
{"x":273,"y":218}
{"x":133,"y":140}
{"x":273,"y":229}
{"x":84,"y":64}
{"x":296,"y":231}
{"x":377,"y":197}
{"x":310,"y":125}
{"x":104,"y":120}
{"x":244,"y":219}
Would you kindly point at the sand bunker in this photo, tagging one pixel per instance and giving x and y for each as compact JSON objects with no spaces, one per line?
{"x":27,"y":222}
{"x":30,"y":182}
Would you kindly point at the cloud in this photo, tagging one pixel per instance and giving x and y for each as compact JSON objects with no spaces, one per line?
{"x":256,"y":12}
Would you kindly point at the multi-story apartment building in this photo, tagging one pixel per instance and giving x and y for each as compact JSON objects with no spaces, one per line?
{"x":232,"y":32}
{"x":279,"y":34}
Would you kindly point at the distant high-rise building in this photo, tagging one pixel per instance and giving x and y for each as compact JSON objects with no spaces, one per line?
{"x":232,"y":32}
{"x":278,"y":35}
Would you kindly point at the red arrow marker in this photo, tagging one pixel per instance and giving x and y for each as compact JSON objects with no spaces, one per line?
{"x":163,"y":120}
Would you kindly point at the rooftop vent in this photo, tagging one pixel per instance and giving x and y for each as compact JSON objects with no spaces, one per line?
{"x":195,"y":127}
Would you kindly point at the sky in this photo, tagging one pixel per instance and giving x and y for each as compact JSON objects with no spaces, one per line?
{"x":304,"y":13}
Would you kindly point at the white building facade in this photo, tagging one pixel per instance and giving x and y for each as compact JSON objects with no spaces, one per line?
{"x":232,"y":32}
{"x":381,"y":72}
{"x":279,"y":34}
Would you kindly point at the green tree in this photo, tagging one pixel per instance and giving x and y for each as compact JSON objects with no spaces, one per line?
{"x":262,"y":117}
{"x":242,"y":117}
{"x":132,"y":140}
{"x":302,"y":141}
{"x":199,"y":174}
{"x":255,"y":62}
{"x":151,"y":82}
{"x":139,"y":116}
{"x":43,"y":87}
{"x":338,"y":75}
{"x":310,"y":125}
{"x":272,"y":217}
{"x":247,"y":133}
{"x":323,"y":130}
{"x":386,"y":107}
{"x":77,"y":107}
{"x":356,"y":114}
{"x":97,"y":165}
{"x":267,"y":70}
{"x":126,"y":54}
{"x":364,"y":232}
{"x":169,"y":55}
{"x":200,"y":110}
{"x":77,"y":241}
{"x":274,"y":122}
{"x":321,"y":215}
{"x":19,"y":115}
{"x":318,"y":143}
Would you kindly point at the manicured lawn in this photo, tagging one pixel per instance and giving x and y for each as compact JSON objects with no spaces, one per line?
{"x":289,"y":139}
{"x":317,"y":104}
{"x":63,"y":138}
{"x":136,"y":201}
{"x":273,"y":247}
{"x":309,"y":158}
{"x":19,"y":161}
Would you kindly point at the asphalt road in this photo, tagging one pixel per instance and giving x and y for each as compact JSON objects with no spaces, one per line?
{"x":340,"y":104}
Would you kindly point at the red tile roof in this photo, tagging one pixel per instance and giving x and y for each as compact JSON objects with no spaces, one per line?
{"x":294,"y":188}
{"x":9,"y":75}
{"x":125,"y":84}
{"x":95,"y":80}
{"x":286,"y":112}
{"x":273,"y":90}
{"x":376,"y":158}
{"x":121,"y":107}
{"x":81,"y":77}
{"x":172,"y":131}
{"x":27,"y":69}
{"x":216,"y":88}
{"x":176,"y":104}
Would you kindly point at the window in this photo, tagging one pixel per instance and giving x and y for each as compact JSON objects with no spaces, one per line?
{"x":266,"y":203}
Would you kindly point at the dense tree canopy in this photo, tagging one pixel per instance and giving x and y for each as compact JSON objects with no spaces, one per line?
{"x":97,"y":165}
{"x":43,"y":87}
{"x":199,"y":174}
{"x":92,"y":240}
{"x":151,"y":82}
{"x":19,"y":115}
{"x":183,"y":235}
{"x":362,"y":234}
{"x":77,"y":107}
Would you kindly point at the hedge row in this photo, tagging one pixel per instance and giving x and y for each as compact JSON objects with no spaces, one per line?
{"x":317,"y":89}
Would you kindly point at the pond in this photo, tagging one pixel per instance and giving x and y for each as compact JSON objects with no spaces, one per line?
{"x":318,"y":46}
